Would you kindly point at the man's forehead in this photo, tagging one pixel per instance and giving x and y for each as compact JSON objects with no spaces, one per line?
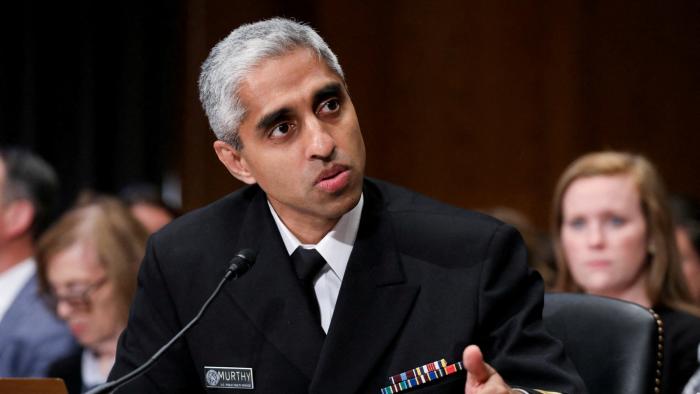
{"x":299,"y":73}
{"x":298,"y":59}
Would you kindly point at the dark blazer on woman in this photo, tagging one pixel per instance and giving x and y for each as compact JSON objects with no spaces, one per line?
{"x":69,"y":369}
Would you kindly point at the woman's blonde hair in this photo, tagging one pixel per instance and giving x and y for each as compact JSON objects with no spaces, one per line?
{"x":665,"y":285}
{"x":106,"y":225}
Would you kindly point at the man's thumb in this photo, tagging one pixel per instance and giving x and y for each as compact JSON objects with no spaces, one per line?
{"x":477,"y":370}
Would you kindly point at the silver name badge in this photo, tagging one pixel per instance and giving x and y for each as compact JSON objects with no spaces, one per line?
{"x":229,"y":378}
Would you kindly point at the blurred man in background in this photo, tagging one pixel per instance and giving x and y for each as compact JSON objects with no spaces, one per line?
{"x":31,"y":337}
{"x":686,"y":218}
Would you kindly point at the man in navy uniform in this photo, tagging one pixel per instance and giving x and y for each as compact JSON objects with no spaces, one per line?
{"x":356,"y":280}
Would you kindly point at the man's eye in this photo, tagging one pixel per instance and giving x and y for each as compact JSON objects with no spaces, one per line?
{"x":280,"y":130}
{"x":329,"y":106}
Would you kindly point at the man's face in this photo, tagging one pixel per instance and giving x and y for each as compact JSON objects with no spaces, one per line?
{"x":690,"y":261}
{"x":301,"y":139}
{"x":16,"y":213}
{"x":3,"y":176}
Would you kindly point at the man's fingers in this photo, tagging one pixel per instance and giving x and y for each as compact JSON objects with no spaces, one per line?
{"x":478,"y":371}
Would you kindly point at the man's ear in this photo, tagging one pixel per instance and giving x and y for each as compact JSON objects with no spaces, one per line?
{"x":233,"y":161}
{"x":17,"y":218}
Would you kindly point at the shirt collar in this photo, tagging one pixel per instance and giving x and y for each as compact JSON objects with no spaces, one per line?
{"x":12,"y":281}
{"x":336,"y":246}
{"x":22,"y":271}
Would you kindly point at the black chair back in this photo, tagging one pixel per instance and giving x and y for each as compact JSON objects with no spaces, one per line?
{"x":616,"y":346}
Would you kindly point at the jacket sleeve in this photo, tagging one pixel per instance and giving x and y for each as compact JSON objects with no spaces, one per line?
{"x":153,"y":321}
{"x":512,"y":336}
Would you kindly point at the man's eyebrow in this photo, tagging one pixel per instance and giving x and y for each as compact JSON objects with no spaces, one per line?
{"x":273,"y":117}
{"x":333,"y":89}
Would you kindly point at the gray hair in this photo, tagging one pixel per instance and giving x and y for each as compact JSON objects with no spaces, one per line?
{"x":236,"y":55}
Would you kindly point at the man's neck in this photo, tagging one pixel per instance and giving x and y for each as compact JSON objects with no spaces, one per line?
{"x":15,"y":252}
{"x":309,"y":230}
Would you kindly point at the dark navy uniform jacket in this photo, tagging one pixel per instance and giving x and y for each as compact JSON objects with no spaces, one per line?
{"x":424,"y":280}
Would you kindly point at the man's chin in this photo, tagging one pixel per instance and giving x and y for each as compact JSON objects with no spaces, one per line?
{"x":336,"y":207}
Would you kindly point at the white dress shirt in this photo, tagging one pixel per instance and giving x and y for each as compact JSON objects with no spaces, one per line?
{"x":335,"y":248}
{"x":693,"y":385}
{"x":12,"y":281}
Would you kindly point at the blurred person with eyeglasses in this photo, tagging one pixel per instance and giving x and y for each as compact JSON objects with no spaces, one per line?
{"x":31,"y":337}
{"x":87,"y":265}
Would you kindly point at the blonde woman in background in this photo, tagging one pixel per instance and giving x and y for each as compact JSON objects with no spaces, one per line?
{"x":87,"y":264}
{"x":613,"y":236}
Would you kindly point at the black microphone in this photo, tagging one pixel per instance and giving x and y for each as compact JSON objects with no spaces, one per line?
{"x":239,"y":265}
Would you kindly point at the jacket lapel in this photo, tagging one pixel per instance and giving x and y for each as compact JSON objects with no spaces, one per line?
{"x":19,"y":308}
{"x":373,"y":303}
{"x":270,"y":295}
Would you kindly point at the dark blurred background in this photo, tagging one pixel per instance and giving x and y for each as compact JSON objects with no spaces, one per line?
{"x":478,"y":103}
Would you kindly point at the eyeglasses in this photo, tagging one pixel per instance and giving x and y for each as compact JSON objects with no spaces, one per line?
{"x":77,"y":297}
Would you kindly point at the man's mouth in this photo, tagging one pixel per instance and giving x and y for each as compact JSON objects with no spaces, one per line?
{"x":334,"y":178}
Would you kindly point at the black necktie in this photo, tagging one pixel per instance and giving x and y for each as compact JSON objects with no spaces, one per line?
{"x":307,"y":264}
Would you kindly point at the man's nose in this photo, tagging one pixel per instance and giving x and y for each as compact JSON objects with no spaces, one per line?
{"x":320,"y":141}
